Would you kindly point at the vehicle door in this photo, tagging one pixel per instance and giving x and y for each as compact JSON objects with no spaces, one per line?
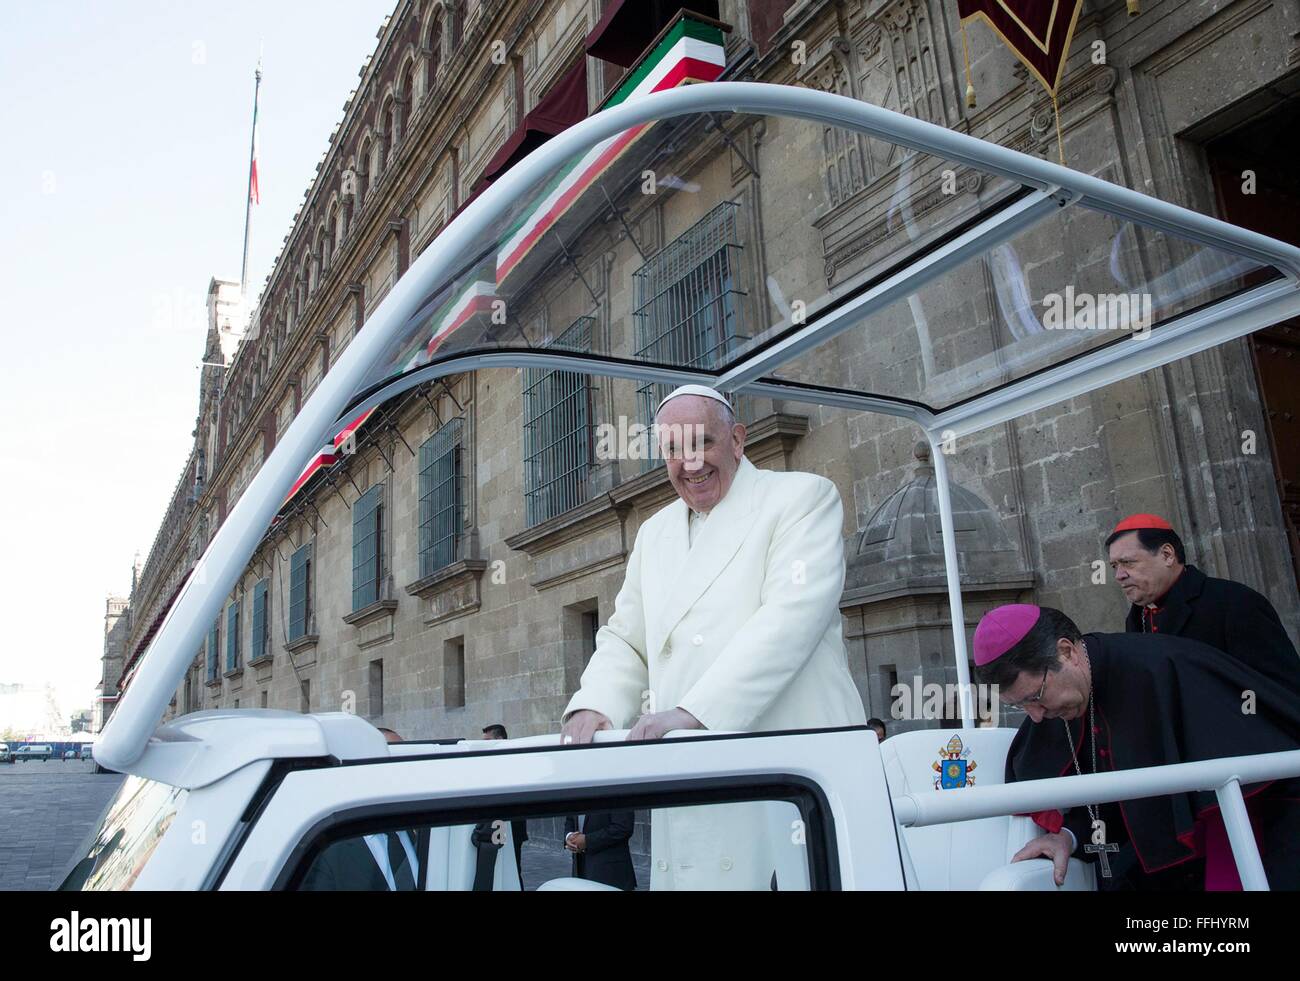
{"x":447,"y":820}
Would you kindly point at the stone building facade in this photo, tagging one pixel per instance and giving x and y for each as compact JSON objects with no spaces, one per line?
{"x":117,"y":628}
{"x":349,"y":605}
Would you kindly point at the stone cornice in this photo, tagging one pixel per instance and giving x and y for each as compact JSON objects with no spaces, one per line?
{"x":300,"y":644}
{"x":373,"y":611}
{"x":922,"y":586}
{"x":575,"y":523}
{"x":448,"y":576}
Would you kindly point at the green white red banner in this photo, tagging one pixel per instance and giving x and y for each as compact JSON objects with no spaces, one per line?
{"x":691,"y":51}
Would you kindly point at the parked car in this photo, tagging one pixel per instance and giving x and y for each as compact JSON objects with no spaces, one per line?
{"x":86,"y":753}
{"x":5,"y":755}
{"x":36,"y":751}
{"x":69,"y":754}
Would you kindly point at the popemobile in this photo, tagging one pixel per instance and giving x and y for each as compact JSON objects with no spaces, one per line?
{"x":273,"y":792}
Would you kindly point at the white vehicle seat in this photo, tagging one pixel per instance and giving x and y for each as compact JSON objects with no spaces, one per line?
{"x":968,"y":854}
{"x":569,"y":884}
{"x":453,"y":860}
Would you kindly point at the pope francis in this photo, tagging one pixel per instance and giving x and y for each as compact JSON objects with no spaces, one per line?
{"x":728,"y":620}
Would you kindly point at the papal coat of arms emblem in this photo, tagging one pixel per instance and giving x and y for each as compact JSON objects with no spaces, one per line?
{"x":954,"y":766}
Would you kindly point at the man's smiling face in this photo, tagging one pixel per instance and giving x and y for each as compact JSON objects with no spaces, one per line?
{"x":701,"y":447}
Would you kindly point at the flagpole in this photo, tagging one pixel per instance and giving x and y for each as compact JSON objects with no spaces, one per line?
{"x":248,"y":198}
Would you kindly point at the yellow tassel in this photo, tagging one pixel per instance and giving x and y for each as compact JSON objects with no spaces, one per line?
{"x":1060,"y":143}
{"x":1134,"y":7}
{"x":970,"y":84}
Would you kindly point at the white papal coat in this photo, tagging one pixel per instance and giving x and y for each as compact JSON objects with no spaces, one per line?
{"x":743,"y":631}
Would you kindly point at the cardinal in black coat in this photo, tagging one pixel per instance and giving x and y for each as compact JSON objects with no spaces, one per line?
{"x":1100,"y":702}
{"x":1170,"y":597}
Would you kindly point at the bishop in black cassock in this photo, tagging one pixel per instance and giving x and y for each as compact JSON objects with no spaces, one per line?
{"x":1167,"y":596}
{"x":1099,"y":702}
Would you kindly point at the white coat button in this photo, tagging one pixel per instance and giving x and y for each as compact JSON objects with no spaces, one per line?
{"x":726,"y":865}
{"x":697,"y":640}
{"x":663,"y":866}
{"x":666,"y":653}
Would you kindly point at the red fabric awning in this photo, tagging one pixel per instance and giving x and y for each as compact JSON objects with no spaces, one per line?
{"x":562,"y":106}
{"x":627,"y":26}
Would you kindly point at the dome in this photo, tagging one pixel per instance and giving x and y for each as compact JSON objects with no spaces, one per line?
{"x":903,"y":538}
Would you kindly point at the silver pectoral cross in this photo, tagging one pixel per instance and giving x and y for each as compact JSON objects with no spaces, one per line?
{"x":1100,"y":851}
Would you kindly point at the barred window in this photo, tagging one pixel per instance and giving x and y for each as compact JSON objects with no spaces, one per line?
{"x":261,"y":621}
{"x":442,"y":507}
{"x":300,"y":592}
{"x":214,"y":648}
{"x":367,"y":552}
{"x":557,"y":431}
{"x":232,"y":636}
{"x":687,"y":300}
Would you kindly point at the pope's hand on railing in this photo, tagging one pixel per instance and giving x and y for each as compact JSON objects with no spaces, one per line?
{"x":1057,"y":847}
{"x":582,"y":726}
{"x":656,"y":725}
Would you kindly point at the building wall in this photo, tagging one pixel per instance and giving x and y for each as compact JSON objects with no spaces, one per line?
{"x":819,"y":217}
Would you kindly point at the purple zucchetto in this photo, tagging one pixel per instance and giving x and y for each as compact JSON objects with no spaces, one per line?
{"x":1001,"y":629}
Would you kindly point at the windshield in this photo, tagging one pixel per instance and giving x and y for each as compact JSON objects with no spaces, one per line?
{"x":133,"y":826}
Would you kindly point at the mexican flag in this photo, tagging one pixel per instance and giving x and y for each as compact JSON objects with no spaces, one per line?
{"x":691,"y":51}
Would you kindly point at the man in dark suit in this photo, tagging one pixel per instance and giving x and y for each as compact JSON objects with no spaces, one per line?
{"x":383,"y":862}
{"x":1170,"y":597}
{"x":599,"y":843}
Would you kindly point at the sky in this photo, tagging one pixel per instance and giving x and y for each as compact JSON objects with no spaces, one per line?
{"x":128,"y":124}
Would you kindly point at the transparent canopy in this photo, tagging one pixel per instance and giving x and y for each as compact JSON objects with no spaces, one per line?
{"x":690,"y":246}
{"x":780,"y":242}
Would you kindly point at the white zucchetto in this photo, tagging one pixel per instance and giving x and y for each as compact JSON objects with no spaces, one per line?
{"x":702,"y":390}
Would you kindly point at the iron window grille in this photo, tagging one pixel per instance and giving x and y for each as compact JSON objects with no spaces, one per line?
{"x":687,"y":302}
{"x":557,"y":431}
{"x":261,"y":621}
{"x":442,"y":505}
{"x":300,"y":592}
{"x":367,"y":547}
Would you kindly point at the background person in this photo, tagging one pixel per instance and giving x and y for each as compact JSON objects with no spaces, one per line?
{"x":1167,"y":596}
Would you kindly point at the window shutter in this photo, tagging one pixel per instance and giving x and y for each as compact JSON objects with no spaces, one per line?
{"x":232,"y":636}
{"x":299,"y":598}
{"x":259,"y":620}
{"x":213,"y":653}
{"x":365,"y":548}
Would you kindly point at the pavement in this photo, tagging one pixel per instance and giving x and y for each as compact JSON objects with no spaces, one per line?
{"x":545,"y":860}
{"x":47,"y":807}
